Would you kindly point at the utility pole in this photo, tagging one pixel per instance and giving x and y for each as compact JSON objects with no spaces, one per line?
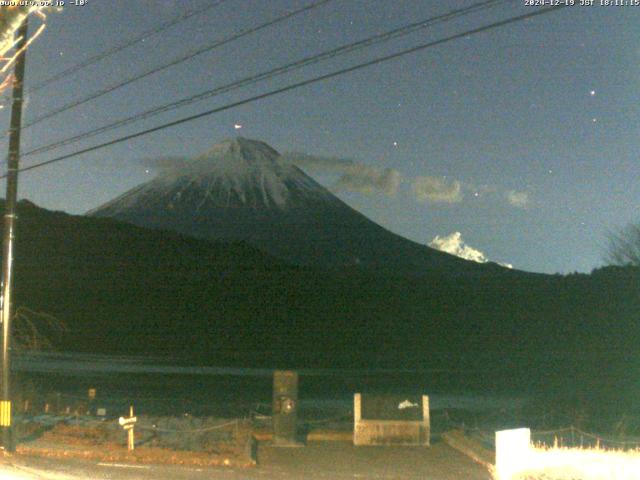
{"x":6,"y":313}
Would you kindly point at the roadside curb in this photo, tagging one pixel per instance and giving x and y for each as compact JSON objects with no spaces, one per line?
{"x":330,"y":436}
{"x":320,"y":435}
{"x":473,"y":449}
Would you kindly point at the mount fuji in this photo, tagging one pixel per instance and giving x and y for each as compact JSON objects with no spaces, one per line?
{"x":244,"y":190}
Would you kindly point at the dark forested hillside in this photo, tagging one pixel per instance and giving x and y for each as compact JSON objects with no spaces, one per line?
{"x":120,"y":288}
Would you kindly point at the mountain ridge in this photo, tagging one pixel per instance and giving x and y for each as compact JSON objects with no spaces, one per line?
{"x":242,"y":189}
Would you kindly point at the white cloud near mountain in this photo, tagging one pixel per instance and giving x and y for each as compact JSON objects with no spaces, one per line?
{"x":357,"y":177}
{"x":454,"y":244}
{"x":368,"y":180}
{"x":354,"y":176}
{"x":437,"y":190}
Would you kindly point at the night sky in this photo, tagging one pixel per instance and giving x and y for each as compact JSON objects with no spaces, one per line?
{"x":524,"y":138}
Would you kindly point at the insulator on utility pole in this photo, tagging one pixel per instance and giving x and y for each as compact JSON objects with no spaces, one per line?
{"x":6,"y":311}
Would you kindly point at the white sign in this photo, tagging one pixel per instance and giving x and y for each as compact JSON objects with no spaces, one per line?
{"x":127,"y":421}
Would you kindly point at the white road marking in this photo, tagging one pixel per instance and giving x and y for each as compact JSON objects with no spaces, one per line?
{"x":122,"y":465}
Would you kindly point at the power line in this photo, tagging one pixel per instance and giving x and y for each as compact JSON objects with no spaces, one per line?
{"x":123,"y":46}
{"x":174,"y":62}
{"x":293,"y":86}
{"x":310,"y":60}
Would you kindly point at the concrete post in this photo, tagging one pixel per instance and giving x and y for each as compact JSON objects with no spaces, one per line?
{"x":285,"y":408}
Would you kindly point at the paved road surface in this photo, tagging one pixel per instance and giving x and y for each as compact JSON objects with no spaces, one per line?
{"x":335,"y":461}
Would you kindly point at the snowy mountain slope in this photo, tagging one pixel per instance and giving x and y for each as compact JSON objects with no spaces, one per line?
{"x":235,"y":174}
{"x":242,"y":189}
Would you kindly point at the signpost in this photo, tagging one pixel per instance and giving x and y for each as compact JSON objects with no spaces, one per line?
{"x":128,"y":423}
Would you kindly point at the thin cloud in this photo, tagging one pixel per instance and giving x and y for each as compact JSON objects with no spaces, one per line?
{"x":519,"y":199}
{"x":318,"y":163}
{"x":167,"y":164}
{"x":354,"y":176}
{"x":357,"y":177}
{"x":369,"y":180}
{"x":437,"y":190}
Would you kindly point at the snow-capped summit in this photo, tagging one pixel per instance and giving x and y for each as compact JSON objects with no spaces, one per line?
{"x":243,"y":189}
{"x":237,"y":173}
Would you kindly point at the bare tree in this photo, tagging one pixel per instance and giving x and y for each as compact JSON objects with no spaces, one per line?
{"x":36,"y":330}
{"x":624,"y":246}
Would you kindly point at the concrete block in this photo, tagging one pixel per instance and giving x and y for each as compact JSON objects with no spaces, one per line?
{"x":400,"y":420}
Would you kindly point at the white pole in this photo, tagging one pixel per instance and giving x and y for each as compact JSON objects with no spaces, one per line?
{"x":131,"y":439}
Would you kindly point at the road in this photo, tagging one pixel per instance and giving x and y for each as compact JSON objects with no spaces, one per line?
{"x":320,"y":461}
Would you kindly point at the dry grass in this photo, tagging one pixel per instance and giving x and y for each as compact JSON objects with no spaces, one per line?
{"x":98,"y":443}
{"x":78,"y":435}
{"x":559,"y":463}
